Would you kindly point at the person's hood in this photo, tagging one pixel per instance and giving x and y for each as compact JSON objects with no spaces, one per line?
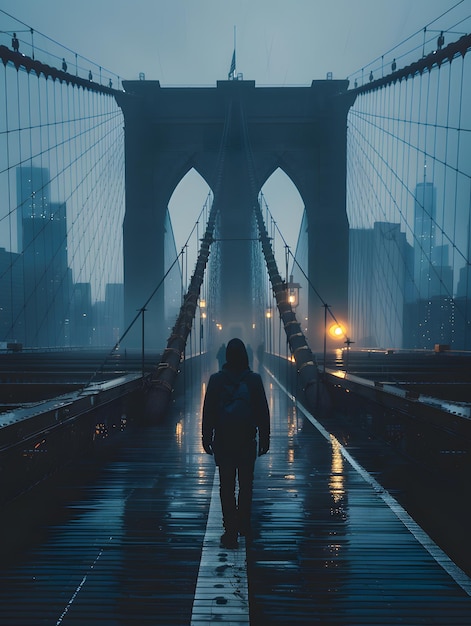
{"x":236,"y":355}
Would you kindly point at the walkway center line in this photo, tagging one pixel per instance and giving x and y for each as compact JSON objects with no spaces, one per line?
{"x":221,"y":593}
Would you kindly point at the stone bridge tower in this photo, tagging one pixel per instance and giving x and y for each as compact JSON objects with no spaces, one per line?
{"x":168,"y":131}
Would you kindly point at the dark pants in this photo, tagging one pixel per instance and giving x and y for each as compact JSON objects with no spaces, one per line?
{"x":236,"y":508}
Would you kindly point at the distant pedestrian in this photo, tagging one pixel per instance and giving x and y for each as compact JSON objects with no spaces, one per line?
{"x":250,"y":355}
{"x":261,"y":352}
{"x":15,"y":44}
{"x":64,"y":65}
{"x":235,"y":409}
{"x":371,"y":76}
{"x":393,"y":65}
{"x":440,"y":41}
{"x":90,"y":75}
{"x":221,"y":355}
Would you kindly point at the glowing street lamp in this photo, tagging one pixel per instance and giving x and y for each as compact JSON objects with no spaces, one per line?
{"x":293,"y":292}
{"x":337,"y":331}
{"x":326,"y":308}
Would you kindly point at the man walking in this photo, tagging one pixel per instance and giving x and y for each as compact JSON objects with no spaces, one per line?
{"x":235,"y":409}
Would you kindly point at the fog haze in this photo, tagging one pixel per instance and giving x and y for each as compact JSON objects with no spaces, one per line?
{"x":190,"y":42}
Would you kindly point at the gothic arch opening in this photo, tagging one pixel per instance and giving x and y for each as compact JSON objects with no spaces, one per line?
{"x":287,"y":208}
{"x":185,"y":205}
{"x":190,"y":203}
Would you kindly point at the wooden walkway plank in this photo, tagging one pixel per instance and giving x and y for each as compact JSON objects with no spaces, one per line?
{"x":353,"y":559}
{"x":139,"y":543}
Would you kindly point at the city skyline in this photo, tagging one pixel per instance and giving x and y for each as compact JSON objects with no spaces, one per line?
{"x":87,"y":174}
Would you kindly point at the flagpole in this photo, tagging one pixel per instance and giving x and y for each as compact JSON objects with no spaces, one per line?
{"x":232,"y":71}
{"x":235,"y":55}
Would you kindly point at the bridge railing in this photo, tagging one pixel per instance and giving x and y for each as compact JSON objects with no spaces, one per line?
{"x":34,"y":45}
{"x":446,"y":28}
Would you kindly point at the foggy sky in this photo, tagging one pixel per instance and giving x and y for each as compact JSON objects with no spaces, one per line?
{"x":190,"y":42}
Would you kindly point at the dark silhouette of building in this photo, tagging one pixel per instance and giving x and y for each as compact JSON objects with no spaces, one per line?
{"x":430,"y":311}
{"x":11,"y":297}
{"x":431,"y":321}
{"x":42,"y":241}
{"x":81,"y":315}
{"x":425,"y":209}
{"x":377,"y":285}
{"x":112,"y":320}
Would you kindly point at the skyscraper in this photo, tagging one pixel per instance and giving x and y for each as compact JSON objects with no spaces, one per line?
{"x":433,"y":276}
{"x":11,"y":297}
{"x":377,"y":285}
{"x":32,"y":196}
{"x":425,"y":208}
{"x":42,"y":240}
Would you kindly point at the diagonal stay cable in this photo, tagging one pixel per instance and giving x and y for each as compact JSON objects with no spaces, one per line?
{"x":308,"y":280}
{"x":162,"y":380}
{"x":130,"y":325}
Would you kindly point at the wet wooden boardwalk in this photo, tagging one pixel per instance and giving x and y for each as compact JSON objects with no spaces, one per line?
{"x":134,"y":541}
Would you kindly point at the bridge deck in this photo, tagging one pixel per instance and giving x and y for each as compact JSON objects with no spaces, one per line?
{"x":121,"y":542}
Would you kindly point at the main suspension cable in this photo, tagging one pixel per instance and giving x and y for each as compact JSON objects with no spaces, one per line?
{"x":162,"y":380}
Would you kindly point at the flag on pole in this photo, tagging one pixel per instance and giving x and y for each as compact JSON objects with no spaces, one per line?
{"x":233,"y":65}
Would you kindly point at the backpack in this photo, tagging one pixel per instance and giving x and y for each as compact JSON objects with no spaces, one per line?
{"x":235,"y":422}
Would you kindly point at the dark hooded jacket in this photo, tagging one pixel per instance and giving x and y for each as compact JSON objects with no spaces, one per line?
{"x":235,"y":368}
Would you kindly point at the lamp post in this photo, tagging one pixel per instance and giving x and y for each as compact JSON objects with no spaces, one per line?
{"x":142,"y":339}
{"x":349,"y":343}
{"x":268,"y":315}
{"x":202,"y":317}
{"x":326,"y":307}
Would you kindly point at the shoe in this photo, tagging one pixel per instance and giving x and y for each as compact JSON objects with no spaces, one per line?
{"x":229,"y":541}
